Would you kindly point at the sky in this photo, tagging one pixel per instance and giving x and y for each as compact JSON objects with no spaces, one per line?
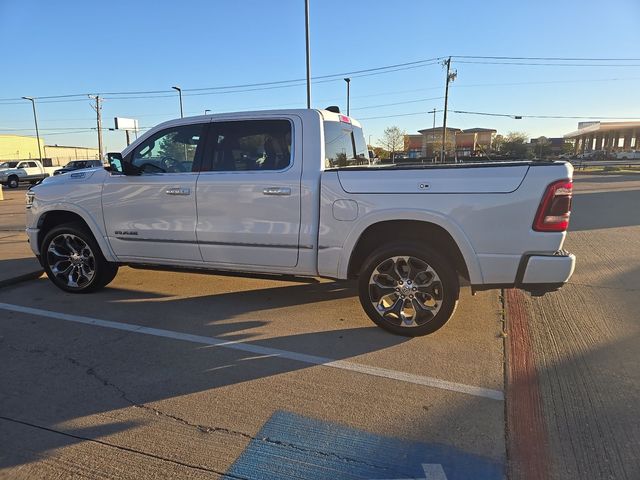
{"x":79,"y":47}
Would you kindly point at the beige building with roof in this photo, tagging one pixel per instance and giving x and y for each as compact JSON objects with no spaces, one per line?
{"x":607,"y":136}
{"x":22,"y":147}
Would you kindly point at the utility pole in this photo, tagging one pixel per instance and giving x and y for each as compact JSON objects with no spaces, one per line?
{"x":308,"y":50}
{"x":35,"y":119}
{"x":98,"y":109}
{"x":451,"y":76}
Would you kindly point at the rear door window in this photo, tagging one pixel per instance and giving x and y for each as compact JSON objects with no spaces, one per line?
{"x":250,"y":145}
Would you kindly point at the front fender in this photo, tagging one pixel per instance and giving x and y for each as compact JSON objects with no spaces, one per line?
{"x":88,"y":218}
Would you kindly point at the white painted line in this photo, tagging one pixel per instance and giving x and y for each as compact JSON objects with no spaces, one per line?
{"x":432,"y":471}
{"x":266,"y":351}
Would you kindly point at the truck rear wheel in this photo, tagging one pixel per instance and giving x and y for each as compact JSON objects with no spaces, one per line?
{"x":73,"y":260}
{"x":408,"y":289}
{"x":13,"y":182}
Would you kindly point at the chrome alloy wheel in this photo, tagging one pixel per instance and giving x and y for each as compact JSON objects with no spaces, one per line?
{"x":71,"y":260}
{"x":405,"y":291}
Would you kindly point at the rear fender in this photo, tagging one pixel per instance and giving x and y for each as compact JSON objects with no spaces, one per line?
{"x":458,"y":235}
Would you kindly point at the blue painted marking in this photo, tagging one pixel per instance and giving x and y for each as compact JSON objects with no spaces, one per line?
{"x":293,"y":446}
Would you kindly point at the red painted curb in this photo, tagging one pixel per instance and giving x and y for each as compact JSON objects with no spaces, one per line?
{"x":526,"y":429}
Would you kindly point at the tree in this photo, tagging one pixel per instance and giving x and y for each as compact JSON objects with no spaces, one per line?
{"x":568,"y":147}
{"x":542,"y":147}
{"x":392,"y":140}
{"x":498,"y":142}
{"x":380,"y":152}
{"x":515,"y":144}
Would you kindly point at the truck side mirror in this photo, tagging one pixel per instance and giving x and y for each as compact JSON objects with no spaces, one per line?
{"x":115,"y":162}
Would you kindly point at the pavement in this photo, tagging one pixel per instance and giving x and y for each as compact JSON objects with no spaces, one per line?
{"x":584,"y":340}
{"x":17,"y":262}
{"x":169,"y":375}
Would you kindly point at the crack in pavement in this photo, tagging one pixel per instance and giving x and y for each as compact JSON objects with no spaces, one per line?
{"x":121,"y":447}
{"x":207,"y":429}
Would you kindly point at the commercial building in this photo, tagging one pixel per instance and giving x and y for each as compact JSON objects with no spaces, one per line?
{"x":463,"y":142}
{"x":20,"y":147}
{"x":552,"y":145}
{"x":474,"y":140}
{"x":607,"y":136}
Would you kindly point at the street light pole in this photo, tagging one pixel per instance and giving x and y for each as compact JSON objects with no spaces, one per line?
{"x":308,"y":51}
{"x":207,"y":110}
{"x":433,"y":132}
{"x":348,"y":80}
{"x":35,"y":119}
{"x":179,"y":90}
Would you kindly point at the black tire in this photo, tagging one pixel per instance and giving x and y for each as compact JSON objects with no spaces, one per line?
{"x":436,"y":293}
{"x":69,"y":238}
{"x":13,"y":182}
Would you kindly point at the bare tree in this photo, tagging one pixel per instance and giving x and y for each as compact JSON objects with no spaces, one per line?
{"x":392,"y":140}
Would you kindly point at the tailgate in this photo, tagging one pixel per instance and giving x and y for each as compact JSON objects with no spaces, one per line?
{"x":446,"y":179}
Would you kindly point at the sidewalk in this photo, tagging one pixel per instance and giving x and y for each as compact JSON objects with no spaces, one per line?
{"x":17,"y":262}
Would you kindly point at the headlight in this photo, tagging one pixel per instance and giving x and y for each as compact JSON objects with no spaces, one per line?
{"x":30,"y":196}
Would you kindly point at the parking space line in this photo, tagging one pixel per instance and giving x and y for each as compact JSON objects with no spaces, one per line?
{"x":261,"y":350}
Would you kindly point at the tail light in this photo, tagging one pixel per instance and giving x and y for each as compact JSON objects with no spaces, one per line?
{"x":555,"y":208}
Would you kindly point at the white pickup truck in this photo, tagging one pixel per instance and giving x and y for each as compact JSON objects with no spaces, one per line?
{"x":292,"y":192}
{"x":15,"y":172}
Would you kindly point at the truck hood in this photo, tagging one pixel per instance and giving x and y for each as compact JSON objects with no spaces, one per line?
{"x":80,"y":176}
{"x":467,"y":178}
{"x":7,"y":171}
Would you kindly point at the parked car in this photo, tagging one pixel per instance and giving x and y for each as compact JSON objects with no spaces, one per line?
{"x":631,"y":155}
{"x":287,"y":193}
{"x":77,"y":165}
{"x":14,"y":173}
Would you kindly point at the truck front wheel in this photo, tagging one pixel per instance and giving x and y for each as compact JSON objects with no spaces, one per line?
{"x":408,"y":289}
{"x":73,"y":260}
{"x":13,"y":182}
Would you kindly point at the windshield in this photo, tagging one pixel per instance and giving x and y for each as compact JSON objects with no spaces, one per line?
{"x":77,"y":164}
{"x":8,"y":165}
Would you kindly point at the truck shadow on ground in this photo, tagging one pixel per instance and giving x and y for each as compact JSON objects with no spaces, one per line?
{"x":592,"y":211}
{"x":70,"y":371}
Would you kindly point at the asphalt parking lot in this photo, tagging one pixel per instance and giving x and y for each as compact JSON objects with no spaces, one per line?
{"x":171,"y":374}
{"x":203,"y":375}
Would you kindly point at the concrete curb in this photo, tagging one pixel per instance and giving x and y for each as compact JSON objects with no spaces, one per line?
{"x":21,"y":278}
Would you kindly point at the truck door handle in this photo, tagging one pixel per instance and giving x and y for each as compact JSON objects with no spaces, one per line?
{"x":178,"y":191}
{"x":278,"y":191}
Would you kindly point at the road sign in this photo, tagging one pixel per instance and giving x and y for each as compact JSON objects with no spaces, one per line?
{"x":126,"y":123}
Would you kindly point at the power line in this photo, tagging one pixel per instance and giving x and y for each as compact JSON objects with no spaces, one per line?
{"x":511,"y":115}
{"x":355,"y":73}
{"x":398,"y":103}
{"x":540,"y":64}
{"x":547,"y":82}
{"x":577,"y":59}
{"x":399,"y":115}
